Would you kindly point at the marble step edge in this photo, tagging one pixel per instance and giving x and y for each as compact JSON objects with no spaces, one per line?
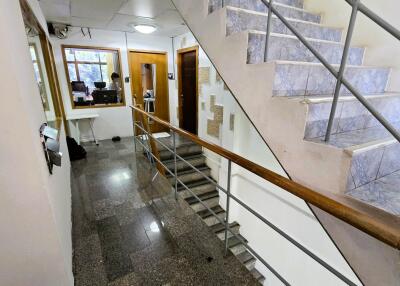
{"x":368,"y":146}
{"x":203,"y":168}
{"x":315,"y":99}
{"x":313,"y":40}
{"x":287,"y":18}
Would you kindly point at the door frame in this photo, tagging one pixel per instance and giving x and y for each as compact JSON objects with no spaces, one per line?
{"x":130,"y":54}
{"x":179,"y":54}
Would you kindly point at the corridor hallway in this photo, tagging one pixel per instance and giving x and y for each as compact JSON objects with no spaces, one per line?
{"x":129,"y":230}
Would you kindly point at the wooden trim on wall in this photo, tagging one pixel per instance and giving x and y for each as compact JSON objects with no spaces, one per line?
{"x":120,"y":104}
{"x":179,"y":54}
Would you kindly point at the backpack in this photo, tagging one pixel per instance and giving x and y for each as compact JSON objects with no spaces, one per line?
{"x":76,"y":151}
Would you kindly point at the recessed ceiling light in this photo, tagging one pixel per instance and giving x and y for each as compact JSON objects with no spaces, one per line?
{"x":145,"y":29}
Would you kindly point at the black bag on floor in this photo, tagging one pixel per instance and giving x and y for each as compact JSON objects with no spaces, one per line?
{"x":76,"y":151}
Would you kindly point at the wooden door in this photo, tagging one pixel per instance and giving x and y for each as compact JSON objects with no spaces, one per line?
{"x":149,"y":84}
{"x":188,"y":88}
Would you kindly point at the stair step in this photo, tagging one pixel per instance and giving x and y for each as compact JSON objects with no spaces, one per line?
{"x":219,"y":229}
{"x":190,"y":175}
{"x":256,"y":274}
{"x":247,"y":259}
{"x":289,"y":48}
{"x":196,"y":160}
{"x":256,"y":5}
{"x":294,"y":3}
{"x":209,"y":218}
{"x":187,"y":149}
{"x":239,"y":20}
{"x":308,"y":79}
{"x":382,"y":193}
{"x":235,"y":245}
{"x":210,"y":199}
{"x":197,"y":187}
{"x":351,"y":115}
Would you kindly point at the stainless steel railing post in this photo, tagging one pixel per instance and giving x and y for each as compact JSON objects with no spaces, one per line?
{"x":269,"y":23}
{"x":342,"y":68}
{"x":228,"y":194}
{"x":134,"y":128}
{"x":175,"y":167}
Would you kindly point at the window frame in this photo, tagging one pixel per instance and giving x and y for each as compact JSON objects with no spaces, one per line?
{"x":76,"y":63}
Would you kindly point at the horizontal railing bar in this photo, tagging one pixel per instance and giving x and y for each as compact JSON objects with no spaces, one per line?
{"x":332,"y":70}
{"x":294,"y":242}
{"x":270,"y":268}
{"x":383,"y":226}
{"x":190,"y":165}
{"x":377,"y":19}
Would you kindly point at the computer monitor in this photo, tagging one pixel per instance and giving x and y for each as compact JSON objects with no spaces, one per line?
{"x":104,"y":96}
{"x":99,"y":84}
{"x":78,"y":86}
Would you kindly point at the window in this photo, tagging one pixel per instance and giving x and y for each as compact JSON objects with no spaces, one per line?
{"x":94,"y":75}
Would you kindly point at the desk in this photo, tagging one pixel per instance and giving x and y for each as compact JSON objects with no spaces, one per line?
{"x":74,"y":118}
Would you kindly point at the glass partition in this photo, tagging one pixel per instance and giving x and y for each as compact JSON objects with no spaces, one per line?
{"x":94,"y":76}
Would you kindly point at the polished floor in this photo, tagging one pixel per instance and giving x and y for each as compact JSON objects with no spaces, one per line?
{"x":128,"y":229}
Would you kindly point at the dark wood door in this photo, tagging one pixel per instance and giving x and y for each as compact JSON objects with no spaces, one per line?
{"x":189,"y":91}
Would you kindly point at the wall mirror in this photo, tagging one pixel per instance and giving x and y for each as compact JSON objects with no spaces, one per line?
{"x":94,"y":76}
{"x":40,"y":53}
{"x":149,"y":85}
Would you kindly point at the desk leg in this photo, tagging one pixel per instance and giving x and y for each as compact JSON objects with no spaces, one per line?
{"x":91,"y":128}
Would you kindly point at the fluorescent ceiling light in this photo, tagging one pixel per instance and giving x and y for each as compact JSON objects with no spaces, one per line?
{"x":145,"y":29}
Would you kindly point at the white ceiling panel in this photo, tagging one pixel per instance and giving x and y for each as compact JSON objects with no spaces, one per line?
{"x":96,"y":9}
{"x":90,"y":23}
{"x":56,"y":12}
{"x":146,"y":8}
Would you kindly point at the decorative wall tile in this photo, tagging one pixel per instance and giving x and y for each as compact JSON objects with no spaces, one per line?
{"x":365,"y":166}
{"x":204,"y":75}
{"x":213,"y":125}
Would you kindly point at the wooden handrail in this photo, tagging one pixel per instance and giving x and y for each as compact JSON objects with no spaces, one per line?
{"x":373,"y":221}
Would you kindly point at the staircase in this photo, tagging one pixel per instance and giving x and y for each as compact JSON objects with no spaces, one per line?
{"x":209,"y":195}
{"x":291,"y":96}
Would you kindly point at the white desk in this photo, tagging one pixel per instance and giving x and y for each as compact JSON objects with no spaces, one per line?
{"x":74,"y":118}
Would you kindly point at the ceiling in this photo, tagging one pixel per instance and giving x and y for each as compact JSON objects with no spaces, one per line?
{"x":116,"y":15}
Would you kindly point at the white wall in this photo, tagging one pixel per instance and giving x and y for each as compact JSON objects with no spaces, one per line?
{"x":382,"y":48}
{"x":35,"y":207}
{"x":113,"y":121}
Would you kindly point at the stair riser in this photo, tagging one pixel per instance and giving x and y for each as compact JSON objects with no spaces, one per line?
{"x":210,"y":203}
{"x":180,"y":165}
{"x":182,"y":151}
{"x":197,"y":190}
{"x":373,"y":164}
{"x":310,"y":79}
{"x":211,"y":220}
{"x":221,"y":235}
{"x":350,"y":116}
{"x":291,"y":49}
{"x":258,"y":6}
{"x":239,"y":20}
{"x":250,"y":265}
{"x":194,"y":176}
{"x":237,"y":249}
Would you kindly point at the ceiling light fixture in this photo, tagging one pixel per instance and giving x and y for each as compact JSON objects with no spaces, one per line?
{"x":145,"y":29}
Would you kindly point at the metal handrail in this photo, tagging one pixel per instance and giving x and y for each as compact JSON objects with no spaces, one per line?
{"x":228,"y":198}
{"x":356,"y":6}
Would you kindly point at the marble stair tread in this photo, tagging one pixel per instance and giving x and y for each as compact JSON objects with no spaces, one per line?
{"x":294,"y":78}
{"x":256,"y":274}
{"x":238,"y":20}
{"x":196,"y":160}
{"x":286,"y":11}
{"x":234,"y":241}
{"x":203,"y":168}
{"x":294,"y":3}
{"x":219,"y":227}
{"x":245,"y":257}
{"x":382,"y":193}
{"x":289,"y":48}
{"x":198,"y":183}
{"x":360,"y":139}
{"x":204,"y":197}
{"x":350,"y":113}
{"x":206,"y":213}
